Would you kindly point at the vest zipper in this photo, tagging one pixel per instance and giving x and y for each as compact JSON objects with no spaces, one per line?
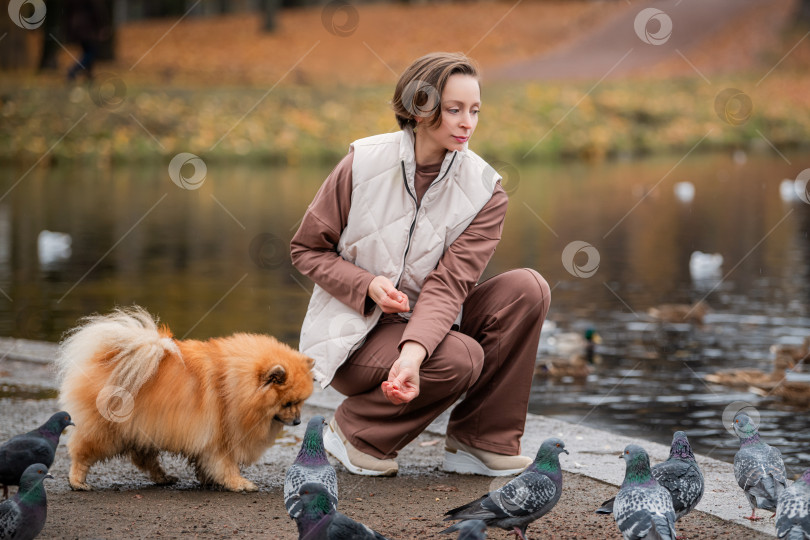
{"x":416,"y":214}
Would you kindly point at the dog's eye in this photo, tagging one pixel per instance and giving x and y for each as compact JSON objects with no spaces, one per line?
{"x":288,"y":405}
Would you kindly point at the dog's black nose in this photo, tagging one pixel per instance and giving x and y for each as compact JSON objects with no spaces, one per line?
{"x":296,"y":421}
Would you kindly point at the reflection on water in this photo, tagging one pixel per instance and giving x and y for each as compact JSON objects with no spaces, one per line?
{"x":214,"y":260}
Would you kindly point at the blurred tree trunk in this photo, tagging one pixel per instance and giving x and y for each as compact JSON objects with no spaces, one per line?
{"x":52,"y":30}
{"x":106,"y":45}
{"x":803,"y":12}
{"x":270,"y":9}
{"x":14,"y":44}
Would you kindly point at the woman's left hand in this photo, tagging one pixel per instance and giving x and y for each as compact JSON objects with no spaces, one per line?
{"x":402,"y":385}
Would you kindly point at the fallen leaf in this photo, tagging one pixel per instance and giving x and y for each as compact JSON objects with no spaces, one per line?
{"x":442,"y":487}
{"x":430,"y":443}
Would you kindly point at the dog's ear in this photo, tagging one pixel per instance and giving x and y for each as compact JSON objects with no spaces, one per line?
{"x":310,"y":362}
{"x":276,"y":375}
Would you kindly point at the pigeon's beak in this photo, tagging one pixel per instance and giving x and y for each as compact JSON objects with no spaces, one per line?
{"x":71,"y":424}
{"x":48,"y":475}
{"x":566,"y":451}
{"x":621,"y":456}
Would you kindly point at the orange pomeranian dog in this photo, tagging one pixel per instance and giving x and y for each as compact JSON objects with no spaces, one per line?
{"x":134,"y":391}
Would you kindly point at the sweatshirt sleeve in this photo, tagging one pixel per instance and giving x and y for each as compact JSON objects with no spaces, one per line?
{"x":459,"y":269}
{"x":313,"y":249}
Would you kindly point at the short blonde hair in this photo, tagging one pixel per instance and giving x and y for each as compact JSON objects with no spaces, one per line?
{"x":419,"y":89}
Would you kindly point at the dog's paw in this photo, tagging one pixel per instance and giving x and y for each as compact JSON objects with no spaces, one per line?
{"x":80,"y":486}
{"x":243,"y":485}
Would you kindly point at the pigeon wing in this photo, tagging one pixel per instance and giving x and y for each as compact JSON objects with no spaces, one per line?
{"x":763,"y":476}
{"x":637,"y":509}
{"x":776,"y":468}
{"x":792,"y":511}
{"x":345,"y":528}
{"x":525,"y":495}
{"x":10,"y":518}
{"x":683,"y":480}
{"x":298,"y":475}
{"x":25,"y":450}
{"x":293,"y":481}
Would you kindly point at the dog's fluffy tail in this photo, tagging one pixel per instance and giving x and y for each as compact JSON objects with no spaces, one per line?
{"x":128,"y":339}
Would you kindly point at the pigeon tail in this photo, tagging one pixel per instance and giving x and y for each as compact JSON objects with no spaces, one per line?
{"x":662,"y":528}
{"x":607,"y":506}
{"x":471,"y":529}
{"x":796,"y":533}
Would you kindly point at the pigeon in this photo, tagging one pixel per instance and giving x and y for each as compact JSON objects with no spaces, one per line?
{"x":311,"y":465}
{"x":318,"y":520}
{"x":643,"y":508}
{"x":524,"y":499}
{"x":471,"y":529}
{"x":679,"y":474}
{"x":758,"y":467}
{"x":23,"y":516}
{"x":38,"y":446}
{"x":793,"y":510}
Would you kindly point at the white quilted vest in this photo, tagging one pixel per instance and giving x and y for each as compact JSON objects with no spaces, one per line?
{"x":388,"y":235}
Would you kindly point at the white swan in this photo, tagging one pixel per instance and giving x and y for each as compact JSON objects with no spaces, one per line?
{"x":53,"y":247}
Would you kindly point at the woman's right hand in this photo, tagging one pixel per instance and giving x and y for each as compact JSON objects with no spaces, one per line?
{"x":385,"y":295}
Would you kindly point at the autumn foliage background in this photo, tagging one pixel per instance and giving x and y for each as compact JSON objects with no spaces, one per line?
{"x":222,"y":88}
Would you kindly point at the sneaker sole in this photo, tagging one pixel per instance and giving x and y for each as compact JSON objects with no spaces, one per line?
{"x":462,"y":462}
{"x":333,"y":445}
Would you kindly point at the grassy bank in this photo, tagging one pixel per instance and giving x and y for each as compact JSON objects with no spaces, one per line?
{"x":294,"y":125}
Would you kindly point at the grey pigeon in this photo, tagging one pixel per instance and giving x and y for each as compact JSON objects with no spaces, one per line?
{"x":758,"y":467}
{"x":524,"y":499}
{"x":471,"y":529}
{"x":37,"y":446}
{"x":318,"y":520}
{"x":311,"y":465}
{"x":793,"y":510}
{"x":23,"y":516}
{"x":679,"y":474}
{"x":643,"y":508}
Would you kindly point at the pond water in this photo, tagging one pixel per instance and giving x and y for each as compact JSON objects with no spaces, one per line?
{"x":214,"y":260}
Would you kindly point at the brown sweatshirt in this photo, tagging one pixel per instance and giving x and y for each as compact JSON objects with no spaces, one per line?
{"x":314,"y":254}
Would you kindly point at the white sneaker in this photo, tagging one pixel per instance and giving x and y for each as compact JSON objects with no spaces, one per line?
{"x":353,"y":459}
{"x":463,"y":459}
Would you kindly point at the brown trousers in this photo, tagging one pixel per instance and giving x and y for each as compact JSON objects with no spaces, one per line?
{"x":491,"y":360}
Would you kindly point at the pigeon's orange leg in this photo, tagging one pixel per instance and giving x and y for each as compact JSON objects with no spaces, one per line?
{"x":753,"y":517}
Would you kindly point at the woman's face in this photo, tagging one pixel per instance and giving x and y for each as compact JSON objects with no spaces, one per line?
{"x":461,"y":100}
